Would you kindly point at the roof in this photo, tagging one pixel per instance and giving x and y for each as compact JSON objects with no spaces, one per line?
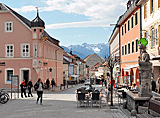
{"x":87,"y":57}
{"x":28,"y":23}
{"x":65,"y":61}
{"x":37,"y":22}
{"x":97,"y":64}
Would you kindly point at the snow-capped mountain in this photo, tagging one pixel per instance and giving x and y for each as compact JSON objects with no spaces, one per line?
{"x":85,"y":49}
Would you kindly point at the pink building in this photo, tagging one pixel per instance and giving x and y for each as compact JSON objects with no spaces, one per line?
{"x":27,"y":50}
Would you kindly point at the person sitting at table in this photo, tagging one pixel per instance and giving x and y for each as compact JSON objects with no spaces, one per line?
{"x":90,"y":88}
{"x":135,"y":87}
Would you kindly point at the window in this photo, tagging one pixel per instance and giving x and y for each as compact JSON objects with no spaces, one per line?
{"x":45,"y":52}
{"x":156,"y":38}
{"x":34,"y":30}
{"x":35,"y":50}
{"x":158,"y":3}
{"x":122,"y":30}
{"x":9,"y":50}
{"x":136,"y":45}
{"x":136,"y":18}
{"x":49,"y":53}
{"x":128,"y":48}
{"x":122,"y":50}
{"x":145,"y":11}
{"x":125,"y":49}
{"x":40,"y":30}
{"x":41,"y":73}
{"x":8,"y":26}
{"x":153,"y":38}
{"x":125,"y":28}
{"x":40,"y":50}
{"x":128,"y":25}
{"x":9,"y":72}
{"x":45,"y":73}
{"x":132,"y":46}
{"x":132,"y":22}
{"x":25,"y":50}
{"x":151,"y":6}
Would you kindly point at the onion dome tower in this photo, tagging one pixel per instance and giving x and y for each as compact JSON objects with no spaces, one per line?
{"x":37,"y":26}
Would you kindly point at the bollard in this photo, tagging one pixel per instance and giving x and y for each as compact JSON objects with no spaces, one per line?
{"x":60,"y":87}
{"x":64,"y":86}
{"x":67,"y":85}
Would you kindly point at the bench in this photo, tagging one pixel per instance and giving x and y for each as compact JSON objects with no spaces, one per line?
{"x":154,"y":108}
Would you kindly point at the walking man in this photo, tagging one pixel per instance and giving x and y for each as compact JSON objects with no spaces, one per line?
{"x":47,"y":83}
{"x":30,"y":85}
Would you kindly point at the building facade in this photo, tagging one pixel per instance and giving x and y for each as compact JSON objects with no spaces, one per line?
{"x":27,"y":50}
{"x":129,"y":35}
{"x":151,"y":31}
{"x":115,"y":51}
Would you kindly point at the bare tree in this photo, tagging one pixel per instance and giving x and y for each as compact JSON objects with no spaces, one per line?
{"x":111,"y":61}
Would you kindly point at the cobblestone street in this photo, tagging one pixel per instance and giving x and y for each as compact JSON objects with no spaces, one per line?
{"x":55,"y":105}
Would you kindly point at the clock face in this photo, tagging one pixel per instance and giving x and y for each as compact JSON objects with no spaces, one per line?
{"x":34,"y":35}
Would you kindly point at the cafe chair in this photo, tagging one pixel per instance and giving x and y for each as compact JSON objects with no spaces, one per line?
{"x":95,"y":99}
{"x":81,"y":99}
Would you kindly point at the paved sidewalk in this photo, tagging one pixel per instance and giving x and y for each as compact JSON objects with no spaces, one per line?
{"x":59,"y":104}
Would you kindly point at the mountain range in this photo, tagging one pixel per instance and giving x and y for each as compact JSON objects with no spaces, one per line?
{"x":101,"y":49}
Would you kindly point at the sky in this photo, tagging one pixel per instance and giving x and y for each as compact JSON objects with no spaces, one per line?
{"x":73,"y":21}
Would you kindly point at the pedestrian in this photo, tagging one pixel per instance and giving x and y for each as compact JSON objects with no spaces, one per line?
{"x":39,"y":88}
{"x":47,"y":83}
{"x":30,"y":85}
{"x":102,"y":81}
{"x":153,"y":84}
{"x":23,"y":86}
{"x":158,"y":84}
{"x":53,"y":83}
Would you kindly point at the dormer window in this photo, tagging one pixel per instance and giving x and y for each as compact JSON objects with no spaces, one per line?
{"x":34,"y":30}
{"x":9,"y":26}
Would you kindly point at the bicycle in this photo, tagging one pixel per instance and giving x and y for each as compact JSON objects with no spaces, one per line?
{"x":4,"y":97}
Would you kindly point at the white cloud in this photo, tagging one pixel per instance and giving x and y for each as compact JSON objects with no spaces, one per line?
{"x":25,"y":9}
{"x":99,"y":23}
{"x":100,"y":12}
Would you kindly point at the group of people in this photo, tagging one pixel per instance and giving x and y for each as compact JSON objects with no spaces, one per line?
{"x":156,"y":85}
{"x":47,"y":84}
{"x":37,"y":87}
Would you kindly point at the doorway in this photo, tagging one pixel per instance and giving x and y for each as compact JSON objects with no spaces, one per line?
{"x":26,"y":75}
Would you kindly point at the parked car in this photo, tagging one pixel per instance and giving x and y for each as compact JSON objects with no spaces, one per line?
{"x":86,"y":82}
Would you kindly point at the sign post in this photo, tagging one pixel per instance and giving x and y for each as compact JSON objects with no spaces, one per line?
{"x":15,"y":82}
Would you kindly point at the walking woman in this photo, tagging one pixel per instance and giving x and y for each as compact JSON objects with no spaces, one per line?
{"x":39,"y":90}
{"x":23,"y":86}
{"x":158,"y":84}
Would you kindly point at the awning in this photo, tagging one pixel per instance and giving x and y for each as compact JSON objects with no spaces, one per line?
{"x":75,"y":76}
{"x":127,"y":69}
{"x":155,"y":57}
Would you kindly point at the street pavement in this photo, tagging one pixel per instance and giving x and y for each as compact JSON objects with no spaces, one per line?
{"x":60,"y":104}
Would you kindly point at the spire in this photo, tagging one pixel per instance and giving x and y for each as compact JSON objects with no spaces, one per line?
{"x":37,"y":22}
{"x":105,"y":58}
{"x":37,"y":12}
{"x":71,"y":50}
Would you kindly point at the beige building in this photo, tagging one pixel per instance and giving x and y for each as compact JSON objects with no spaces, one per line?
{"x":151,"y":31}
{"x":93,"y":59}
